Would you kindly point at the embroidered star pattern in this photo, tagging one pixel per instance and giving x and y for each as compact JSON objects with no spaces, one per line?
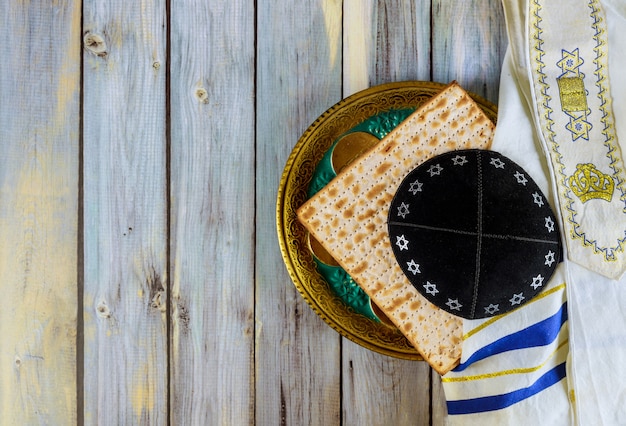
{"x":579,"y":127}
{"x":454,"y":304}
{"x":492,"y":309}
{"x":459,"y":160}
{"x":435,"y":170}
{"x":521,"y":179}
{"x":416,"y":187}
{"x":402,"y":243}
{"x":403,"y":210}
{"x":517,"y":299}
{"x":430,"y":288}
{"x":549,"y":224}
{"x":538,"y":199}
{"x":497,"y":163}
{"x":414,"y":268}
{"x":537,"y":282}
{"x":570,"y":61}
{"x":550,"y":258}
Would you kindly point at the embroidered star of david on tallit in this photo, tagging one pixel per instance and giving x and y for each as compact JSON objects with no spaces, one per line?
{"x":579,"y":127}
{"x":570,"y":61}
{"x":469,"y":228}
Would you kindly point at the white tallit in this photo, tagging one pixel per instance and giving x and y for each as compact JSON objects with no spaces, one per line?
{"x":593,"y":337}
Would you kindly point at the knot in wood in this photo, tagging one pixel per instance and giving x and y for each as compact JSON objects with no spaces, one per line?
{"x":159,"y":301}
{"x":103,"y":310}
{"x":95,"y":44}
{"x":202,"y":95}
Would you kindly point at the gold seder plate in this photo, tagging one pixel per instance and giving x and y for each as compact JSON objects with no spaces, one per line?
{"x":292,"y":193}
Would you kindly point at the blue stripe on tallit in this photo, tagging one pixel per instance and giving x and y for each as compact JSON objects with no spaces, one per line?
{"x":497,"y":402}
{"x":539,"y":334}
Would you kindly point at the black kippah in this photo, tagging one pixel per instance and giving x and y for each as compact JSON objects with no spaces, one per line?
{"x":474,"y":233}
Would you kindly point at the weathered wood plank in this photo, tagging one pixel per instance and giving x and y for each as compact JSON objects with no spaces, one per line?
{"x":384,"y":41}
{"x":212,"y":212}
{"x":469,"y":40}
{"x":439,"y":410}
{"x":125,"y":222}
{"x":39,"y":152}
{"x":380,"y":390}
{"x":298,"y":77}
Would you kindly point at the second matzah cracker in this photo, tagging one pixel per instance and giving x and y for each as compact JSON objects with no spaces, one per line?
{"x":349,"y":217}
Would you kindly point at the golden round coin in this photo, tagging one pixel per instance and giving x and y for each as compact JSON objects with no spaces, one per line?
{"x":350,"y":147}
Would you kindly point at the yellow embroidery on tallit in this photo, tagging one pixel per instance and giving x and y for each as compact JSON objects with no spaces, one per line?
{"x":589,"y":183}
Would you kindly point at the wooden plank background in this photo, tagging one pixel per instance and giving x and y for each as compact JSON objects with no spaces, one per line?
{"x":39,"y":172}
{"x":125,"y":213}
{"x":141,"y":148}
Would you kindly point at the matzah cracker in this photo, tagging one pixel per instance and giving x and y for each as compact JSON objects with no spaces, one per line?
{"x":349,"y":217}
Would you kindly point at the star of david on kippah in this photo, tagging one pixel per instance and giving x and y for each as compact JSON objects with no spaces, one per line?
{"x":459,"y":160}
{"x":431,"y":288}
{"x":521,"y":178}
{"x":492,"y":309}
{"x":402,"y":243}
{"x":435,"y":170}
{"x":403,"y":210}
{"x":415,"y":187}
{"x":473,"y":233}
